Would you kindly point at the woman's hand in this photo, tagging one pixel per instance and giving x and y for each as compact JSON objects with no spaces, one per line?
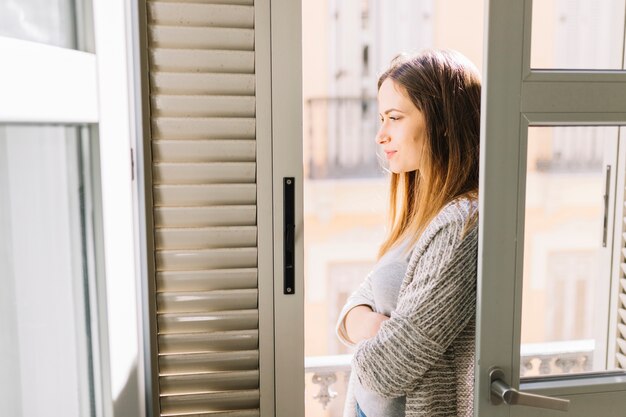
{"x":362,"y":323}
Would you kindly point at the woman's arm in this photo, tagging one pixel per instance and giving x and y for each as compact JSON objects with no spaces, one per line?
{"x":362,"y":323}
{"x":432,"y":310}
{"x":362,"y":298}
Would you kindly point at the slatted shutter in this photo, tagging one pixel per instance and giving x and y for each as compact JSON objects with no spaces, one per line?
{"x":621,"y":310}
{"x":202,"y":97}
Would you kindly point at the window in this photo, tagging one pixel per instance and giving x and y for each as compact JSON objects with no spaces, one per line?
{"x":48,"y":194}
{"x":66,"y":183}
{"x":567,"y":33}
{"x":567,"y":248}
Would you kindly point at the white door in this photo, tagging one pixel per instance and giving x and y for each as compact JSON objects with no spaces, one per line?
{"x":551,"y":254}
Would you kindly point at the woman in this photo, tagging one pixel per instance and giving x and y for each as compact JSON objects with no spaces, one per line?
{"x":413,"y":318}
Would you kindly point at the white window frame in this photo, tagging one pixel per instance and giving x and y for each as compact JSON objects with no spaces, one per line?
{"x":95,"y":89}
{"x":515,"y":96}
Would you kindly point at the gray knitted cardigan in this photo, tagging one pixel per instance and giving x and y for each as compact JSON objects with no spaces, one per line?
{"x":426,"y":349}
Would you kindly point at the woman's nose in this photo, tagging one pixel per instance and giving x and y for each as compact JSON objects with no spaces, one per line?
{"x":382,"y":136}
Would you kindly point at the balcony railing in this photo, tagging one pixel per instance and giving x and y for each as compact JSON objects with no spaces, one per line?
{"x":324,"y":372}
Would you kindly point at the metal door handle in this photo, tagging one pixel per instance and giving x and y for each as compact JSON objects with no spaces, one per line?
{"x":607,"y":191}
{"x":502,"y":392}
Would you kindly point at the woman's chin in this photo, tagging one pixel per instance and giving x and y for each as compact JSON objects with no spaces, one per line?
{"x":400,"y":170}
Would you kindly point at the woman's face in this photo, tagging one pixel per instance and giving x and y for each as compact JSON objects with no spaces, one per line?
{"x":402,"y":133}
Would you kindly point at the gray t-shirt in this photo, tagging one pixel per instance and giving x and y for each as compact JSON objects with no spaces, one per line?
{"x":386,"y":279}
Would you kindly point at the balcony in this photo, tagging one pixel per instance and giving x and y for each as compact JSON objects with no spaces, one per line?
{"x":327,"y":376}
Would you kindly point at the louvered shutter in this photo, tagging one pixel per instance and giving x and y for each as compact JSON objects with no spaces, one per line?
{"x":202,"y":91}
{"x":621,"y":320}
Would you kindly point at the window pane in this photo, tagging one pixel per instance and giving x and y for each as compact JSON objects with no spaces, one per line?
{"x":46,"y":265}
{"x":566,"y":260}
{"x":577,"y":34}
{"x":53,"y":22}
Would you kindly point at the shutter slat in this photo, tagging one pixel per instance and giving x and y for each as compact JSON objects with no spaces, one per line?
{"x":622,"y":314}
{"x":194,"y":260}
{"x":201,"y":60}
{"x":622,"y":282}
{"x":240,"y":2}
{"x":621,"y":359}
{"x":209,"y":381}
{"x":208,"y":301}
{"x":186,"y":83}
{"x":205,"y":216}
{"x":208,"y":342}
{"x":204,"y":195}
{"x":206,"y":237}
{"x":173,"y":37}
{"x":203,"y":128}
{"x":622,"y":330}
{"x":224,"y":279}
{"x":622,"y":345}
{"x":183,"y":323}
{"x":202,"y":106}
{"x":208,"y":322}
{"x":212,"y":361}
{"x":214,"y":401}
{"x":231,"y":413}
{"x":622,"y":298}
{"x":194,"y":14}
{"x":204,"y":173}
{"x":204,"y":150}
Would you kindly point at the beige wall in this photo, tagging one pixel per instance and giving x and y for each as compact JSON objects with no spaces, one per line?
{"x":459,"y":26}
{"x":315,"y":32}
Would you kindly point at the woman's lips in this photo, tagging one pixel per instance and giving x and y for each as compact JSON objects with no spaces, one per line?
{"x":390,"y":154}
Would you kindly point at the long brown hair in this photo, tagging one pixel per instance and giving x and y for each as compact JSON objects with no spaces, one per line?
{"x":445,"y":87}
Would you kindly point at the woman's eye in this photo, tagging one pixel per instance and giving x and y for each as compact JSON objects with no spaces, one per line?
{"x":394,"y":118}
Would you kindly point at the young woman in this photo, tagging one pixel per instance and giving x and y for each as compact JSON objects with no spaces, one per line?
{"x":413,"y":318}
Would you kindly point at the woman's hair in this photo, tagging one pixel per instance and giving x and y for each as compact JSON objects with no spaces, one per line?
{"x":445,"y":87}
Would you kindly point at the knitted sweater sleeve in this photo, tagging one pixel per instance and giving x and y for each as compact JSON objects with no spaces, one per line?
{"x":433,"y":308}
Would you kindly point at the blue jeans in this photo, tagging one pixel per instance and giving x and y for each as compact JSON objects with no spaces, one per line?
{"x":359,"y":412}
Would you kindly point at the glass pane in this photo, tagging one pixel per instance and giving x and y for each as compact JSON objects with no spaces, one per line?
{"x":566,"y":250}
{"x":577,"y":34}
{"x":53,"y":22}
{"x":46,"y":265}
